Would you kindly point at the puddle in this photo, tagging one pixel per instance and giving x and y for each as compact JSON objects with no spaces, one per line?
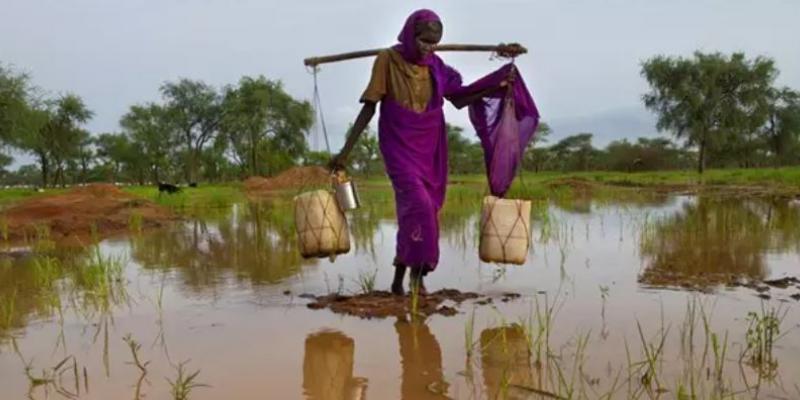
{"x":660,"y":275}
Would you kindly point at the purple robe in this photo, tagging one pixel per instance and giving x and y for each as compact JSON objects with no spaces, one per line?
{"x":414,"y":147}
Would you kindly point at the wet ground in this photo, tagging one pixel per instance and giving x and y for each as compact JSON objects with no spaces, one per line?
{"x":634,"y":295}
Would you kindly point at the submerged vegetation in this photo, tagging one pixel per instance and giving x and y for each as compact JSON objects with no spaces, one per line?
{"x":763,"y":331}
{"x":184,"y":382}
{"x":516,"y":361}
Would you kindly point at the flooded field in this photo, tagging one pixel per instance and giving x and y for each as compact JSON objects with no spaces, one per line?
{"x":624,"y":295}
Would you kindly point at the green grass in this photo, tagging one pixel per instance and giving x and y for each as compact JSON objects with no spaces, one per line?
{"x":528,"y":185}
{"x":214,"y":196}
{"x":10,"y":196}
{"x":366,"y":281}
{"x":184,"y":382}
{"x":7,"y":311}
{"x":763,"y":331}
{"x":788,"y":177}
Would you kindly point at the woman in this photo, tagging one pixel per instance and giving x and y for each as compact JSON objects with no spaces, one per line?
{"x":411,"y":83}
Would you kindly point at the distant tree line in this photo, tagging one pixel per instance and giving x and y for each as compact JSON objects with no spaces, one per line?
{"x":575,"y":153}
{"x":721,"y":110}
{"x":196,"y":132}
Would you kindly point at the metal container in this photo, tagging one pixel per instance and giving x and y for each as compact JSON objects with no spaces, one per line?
{"x":347,"y":195}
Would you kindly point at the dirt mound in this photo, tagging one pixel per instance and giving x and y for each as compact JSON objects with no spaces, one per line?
{"x":294,"y":178}
{"x":99,"y":207}
{"x":381,"y":304}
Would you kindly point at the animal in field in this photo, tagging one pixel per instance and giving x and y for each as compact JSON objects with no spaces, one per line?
{"x":192,"y":184}
{"x":168,"y":188}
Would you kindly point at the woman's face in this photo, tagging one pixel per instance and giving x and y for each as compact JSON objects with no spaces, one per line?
{"x":428,"y":35}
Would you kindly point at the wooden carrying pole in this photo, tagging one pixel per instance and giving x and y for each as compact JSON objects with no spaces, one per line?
{"x":314,"y":61}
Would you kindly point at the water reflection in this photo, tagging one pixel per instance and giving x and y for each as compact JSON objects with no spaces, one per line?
{"x":506,"y":362}
{"x":254,"y":245}
{"x":715,"y":240}
{"x":421,"y":359}
{"x":328,"y":368}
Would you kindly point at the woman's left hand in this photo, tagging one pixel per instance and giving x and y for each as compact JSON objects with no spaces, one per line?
{"x":512,"y":76}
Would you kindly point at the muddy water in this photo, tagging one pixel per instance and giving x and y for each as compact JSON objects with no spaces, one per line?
{"x":223,"y":295}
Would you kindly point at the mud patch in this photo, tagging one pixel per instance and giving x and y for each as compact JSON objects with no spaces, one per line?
{"x":708,"y":283}
{"x":382,"y":304}
{"x":294,"y":178}
{"x":100,"y":209}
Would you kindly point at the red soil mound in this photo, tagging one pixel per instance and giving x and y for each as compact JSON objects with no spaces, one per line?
{"x":102,"y":207}
{"x":294,"y":178}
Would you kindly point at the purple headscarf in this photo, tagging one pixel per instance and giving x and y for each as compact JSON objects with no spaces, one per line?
{"x":408,"y":39}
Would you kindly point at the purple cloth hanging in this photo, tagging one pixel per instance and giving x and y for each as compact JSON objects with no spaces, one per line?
{"x":506,"y":122}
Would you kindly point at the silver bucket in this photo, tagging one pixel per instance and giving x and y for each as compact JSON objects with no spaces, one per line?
{"x":347,"y":195}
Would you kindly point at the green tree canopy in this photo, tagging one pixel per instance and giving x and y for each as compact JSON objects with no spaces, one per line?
{"x":464,"y":156}
{"x":259,"y":118}
{"x":56,"y":134}
{"x":15,"y":112}
{"x":195,"y":111}
{"x":708,"y":98}
{"x":783,"y":126}
{"x":151,"y":130}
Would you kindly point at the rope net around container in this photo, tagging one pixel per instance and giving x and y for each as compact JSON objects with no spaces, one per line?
{"x":313,"y":227}
{"x":506,"y":238}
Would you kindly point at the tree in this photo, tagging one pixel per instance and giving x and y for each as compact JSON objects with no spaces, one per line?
{"x":644,"y":155}
{"x":82,"y":156}
{"x":707,"y":98}
{"x":258,"y":111}
{"x":15,"y":113}
{"x":195,"y":111}
{"x":783,"y":125}
{"x":574,"y":152}
{"x":5,"y":161}
{"x":316,"y":157}
{"x":27,"y":174}
{"x":464,"y":156}
{"x":366,"y":156}
{"x":55,"y":133}
{"x":150,"y":129}
{"x":535,"y":158}
{"x":115,"y":150}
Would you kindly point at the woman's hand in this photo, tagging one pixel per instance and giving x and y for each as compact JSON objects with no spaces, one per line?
{"x":512,"y":76}
{"x":510,"y":50}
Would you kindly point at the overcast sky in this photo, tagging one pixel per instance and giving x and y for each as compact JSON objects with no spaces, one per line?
{"x":583,"y":65}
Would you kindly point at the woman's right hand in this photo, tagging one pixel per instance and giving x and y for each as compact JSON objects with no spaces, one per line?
{"x":510,"y":50}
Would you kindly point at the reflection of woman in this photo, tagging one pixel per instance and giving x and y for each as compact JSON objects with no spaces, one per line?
{"x":328,"y":368}
{"x":505,"y":361}
{"x":421,"y":358}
